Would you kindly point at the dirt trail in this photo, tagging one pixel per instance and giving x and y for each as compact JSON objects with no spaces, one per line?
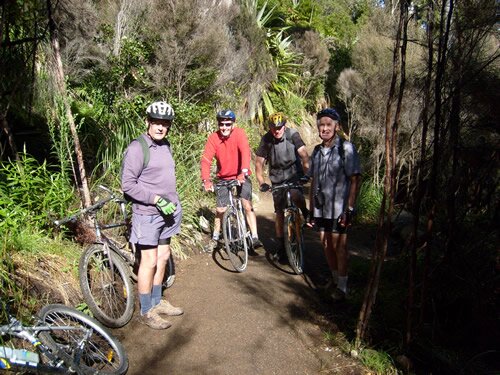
{"x":263,"y":321}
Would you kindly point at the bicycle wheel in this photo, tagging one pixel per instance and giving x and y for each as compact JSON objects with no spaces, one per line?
{"x":106,"y":286}
{"x":85,"y":346}
{"x":293,"y":241}
{"x":169,"y":277}
{"x":234,"y":239}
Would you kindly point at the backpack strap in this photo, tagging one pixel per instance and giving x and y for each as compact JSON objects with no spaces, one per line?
{"x":145,"y":150}
{"x":341,"y":150}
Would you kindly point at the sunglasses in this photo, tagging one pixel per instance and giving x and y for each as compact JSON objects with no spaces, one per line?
{"x":227,"y":125}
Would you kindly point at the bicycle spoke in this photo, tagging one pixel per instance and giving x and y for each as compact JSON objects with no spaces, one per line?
{"x":293,"y":242}
{"x":234,"y":238}
{"x":85,"y":346}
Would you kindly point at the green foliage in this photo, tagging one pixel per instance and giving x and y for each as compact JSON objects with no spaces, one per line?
{"x":31,"y":195}
{"x":369,"y":202}
{"x":378,"y":361}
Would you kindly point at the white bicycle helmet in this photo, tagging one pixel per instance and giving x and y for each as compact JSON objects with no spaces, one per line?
{"x":160,"y":110}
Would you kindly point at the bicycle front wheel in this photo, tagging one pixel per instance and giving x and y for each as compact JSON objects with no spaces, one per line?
{"x":293,"y":241}
{"x":106,"y":286}
{"x":233,"y":230}
{"x":81,"y":342}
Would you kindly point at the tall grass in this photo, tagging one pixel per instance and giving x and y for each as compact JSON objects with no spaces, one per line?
{"x":31,"y":196}
{"x":369,"y":201}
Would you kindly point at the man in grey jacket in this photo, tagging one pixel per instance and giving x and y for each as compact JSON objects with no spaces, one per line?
{"x":148,"y":179}
{"x":336,"y":172}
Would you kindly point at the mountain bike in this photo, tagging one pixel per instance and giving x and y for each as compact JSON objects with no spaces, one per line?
{"x":237,"y":239}
{"x":293,"y":224}
{"x":106,"y":268}
{"x":61,"y":340}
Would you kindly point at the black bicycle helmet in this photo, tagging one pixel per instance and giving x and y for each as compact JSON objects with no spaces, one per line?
{"x":161,"y":111}
{"x":226,"y":114}
{"x":328,"y":112}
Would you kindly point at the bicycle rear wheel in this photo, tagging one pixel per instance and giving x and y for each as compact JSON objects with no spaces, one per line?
{"x":234,"y":234}
{"x":293,"y":241}
{"x":106,"y":286}
{"x":85,"y":346}
{"x":169,"y":278}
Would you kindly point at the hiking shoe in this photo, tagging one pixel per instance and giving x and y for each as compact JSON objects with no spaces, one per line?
{"x":338,"y":295}
{"x":280,"y":257}
{"x":328,"y":285}
{"x":153,"y":320}
{"x":256,"y":243}
{"x":211,"y":246}
{"x":165,"y":307}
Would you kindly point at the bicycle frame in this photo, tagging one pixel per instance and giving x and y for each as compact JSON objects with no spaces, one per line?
{"x":293,"y":228}
{"x":236,"y":235}
{"x":30,"y":334}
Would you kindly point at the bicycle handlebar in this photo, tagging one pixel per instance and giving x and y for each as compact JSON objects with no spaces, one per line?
{"x":226,"y":183}
{"x":94,"y":208}
{"x":286,"y":186}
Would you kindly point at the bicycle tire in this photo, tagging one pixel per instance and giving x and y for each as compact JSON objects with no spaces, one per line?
{"x":97,"y":353}
{"x":294,"y":241}
{"x":234,"y":239}
{"x":169,"y":277}
{"x":106,"y":286}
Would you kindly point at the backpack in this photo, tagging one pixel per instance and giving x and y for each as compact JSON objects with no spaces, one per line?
{"x":145,"y":150}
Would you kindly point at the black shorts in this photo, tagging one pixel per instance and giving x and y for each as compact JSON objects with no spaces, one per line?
{"x":328,"y":225}
{"x":244,"y":191}
{"x":279,"y":199}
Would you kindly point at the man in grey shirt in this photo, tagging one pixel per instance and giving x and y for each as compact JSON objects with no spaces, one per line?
{"x":335,"y":171}
{"x":148,"y":179}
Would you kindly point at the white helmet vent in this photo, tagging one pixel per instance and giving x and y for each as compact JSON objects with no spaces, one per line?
{"x":160,"y":110}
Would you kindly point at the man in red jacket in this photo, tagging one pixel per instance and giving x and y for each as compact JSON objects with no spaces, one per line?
{"x":229,"y":146}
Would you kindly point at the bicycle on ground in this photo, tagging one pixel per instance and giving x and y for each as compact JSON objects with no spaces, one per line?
{"x":61,"y":340}
{"x":292,"y":228}
{"x":237,"y":238}
{"x":107,"y":267}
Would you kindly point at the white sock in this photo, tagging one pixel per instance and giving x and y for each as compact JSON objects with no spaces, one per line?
{"x":342,"y":283}
{"x":335,"y":276}
{"x":215,"y":236}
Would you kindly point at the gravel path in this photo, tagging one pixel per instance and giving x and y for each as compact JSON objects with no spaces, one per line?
{"x":263,"y":321}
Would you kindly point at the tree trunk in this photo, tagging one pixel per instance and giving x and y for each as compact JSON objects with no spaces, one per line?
{"x":61,"y":87}
{"x":384,"y":221}
{"x":10,"y":138}
{"x":419,"y":192}
{"x":444,"y":32}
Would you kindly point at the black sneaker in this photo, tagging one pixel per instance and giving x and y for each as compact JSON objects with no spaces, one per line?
{"x":256,"y":243}
{"x":338,"y":295}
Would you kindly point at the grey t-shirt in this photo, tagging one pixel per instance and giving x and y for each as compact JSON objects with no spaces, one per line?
{"x":331,"y":174}
{"x":282,"y":155}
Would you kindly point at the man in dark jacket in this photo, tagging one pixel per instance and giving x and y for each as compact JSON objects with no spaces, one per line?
{"x":285,"y":151}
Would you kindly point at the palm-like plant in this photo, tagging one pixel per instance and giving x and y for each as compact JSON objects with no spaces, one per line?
{"x":284,"y":59}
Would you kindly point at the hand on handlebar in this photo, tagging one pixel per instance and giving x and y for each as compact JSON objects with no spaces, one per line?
{"x":264,"y":187}
{"x":208,"y":186}
{"x":241,"y":178}
{"x":304,"y":180}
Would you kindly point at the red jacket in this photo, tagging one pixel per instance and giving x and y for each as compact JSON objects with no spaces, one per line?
{"x":232,"y":155}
